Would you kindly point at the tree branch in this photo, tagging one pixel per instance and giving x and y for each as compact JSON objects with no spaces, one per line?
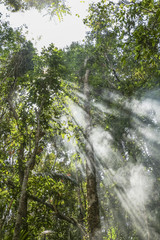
{"x":112,"y":68}
{"x":58,"y":214}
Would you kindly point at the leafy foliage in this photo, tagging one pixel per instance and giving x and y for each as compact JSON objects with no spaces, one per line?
{"x":44,"y":142}
{"x":54,"y":7}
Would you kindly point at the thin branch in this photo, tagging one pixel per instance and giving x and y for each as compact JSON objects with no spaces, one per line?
{"x":58,"y":214}
{"x":150,"y":11}
{"x":112,"y":68}
{"x":55,"y":175}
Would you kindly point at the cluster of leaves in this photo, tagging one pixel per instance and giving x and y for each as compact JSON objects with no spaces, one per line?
{"x":127,"y":39}
{"x":53,"y":7}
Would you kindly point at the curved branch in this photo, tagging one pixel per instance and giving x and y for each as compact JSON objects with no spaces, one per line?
{"x":55,"y":175}
{"x":58,"y":214}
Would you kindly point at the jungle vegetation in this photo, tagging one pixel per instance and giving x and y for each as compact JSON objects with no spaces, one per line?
{"x":79,"y":127}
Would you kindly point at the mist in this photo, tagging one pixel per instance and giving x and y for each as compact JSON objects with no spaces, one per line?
{"x":127,"y":151}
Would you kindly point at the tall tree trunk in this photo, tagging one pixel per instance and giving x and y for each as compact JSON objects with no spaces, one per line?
{"x":23,"y":197}
{"x":21,"y":206}
{"x":94,"y":226}
{"x":21,"y":158}
{"x":21,"y":177}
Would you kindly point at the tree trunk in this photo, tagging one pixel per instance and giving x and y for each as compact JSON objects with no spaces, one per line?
{"x":21,"y":158}
{"x":22,"y":211}
{"x":94,"y":226}
{"x":21,"y":206}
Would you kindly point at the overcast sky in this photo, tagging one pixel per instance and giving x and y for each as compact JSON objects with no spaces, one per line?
{"x":52,"y":31}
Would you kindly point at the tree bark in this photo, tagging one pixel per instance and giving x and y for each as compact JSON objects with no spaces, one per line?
{"x":23,"y":197}
{"x":20,"y":164}
{"x":94,"y":226}
{"x":21,"y":209}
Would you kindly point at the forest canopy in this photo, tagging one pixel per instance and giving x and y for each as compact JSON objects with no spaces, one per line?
{"x":53,"y":7}
{"x":79,"y":128}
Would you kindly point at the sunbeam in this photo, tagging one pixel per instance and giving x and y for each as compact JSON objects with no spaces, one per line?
{"x":130,"y":181}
